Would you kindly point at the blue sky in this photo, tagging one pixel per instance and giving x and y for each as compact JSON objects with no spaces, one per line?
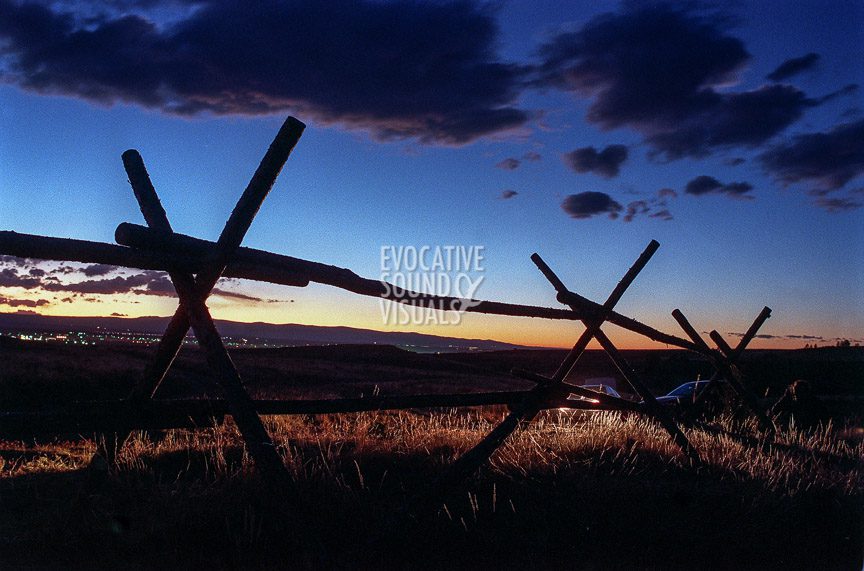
{"x":422,"y":115}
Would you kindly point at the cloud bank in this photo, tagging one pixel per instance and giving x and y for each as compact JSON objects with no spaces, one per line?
{"x":403,"y":69}
{"x":658,"y":69}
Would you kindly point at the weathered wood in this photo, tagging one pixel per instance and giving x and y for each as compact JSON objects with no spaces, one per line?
{"x":108,"y":418}
{"x":600,"y":315}
{"x":720,"y":342}
{"x":140,"y":237}
{"x":631,"y":274}
{"x":734,"y":376}
{"x":593,"y":325}
{"x":184,"y":253}
{"x":159,"y":414}
{"x":751,"y":333}
{"x":193,"y":292}
{"x":690,"y":330}
{"x":586,"y":306}
{"x":250,"y":201}
{"x":652,"y":407}
{"x":158,"y":247}
{"x":525,"y":412}
{"x":716,"y":358}
{"x":87,"y":252}
{"x":725,"y":365}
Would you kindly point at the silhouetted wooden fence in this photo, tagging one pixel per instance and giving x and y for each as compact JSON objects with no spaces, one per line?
{"x":195,"y":266}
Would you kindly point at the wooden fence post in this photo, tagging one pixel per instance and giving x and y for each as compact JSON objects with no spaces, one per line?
{"x":194,"y":291}
{"x":725,"y":364}
{"x":469,"y":462}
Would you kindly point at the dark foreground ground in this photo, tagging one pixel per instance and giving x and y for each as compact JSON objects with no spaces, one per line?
{"x":591,"y":491}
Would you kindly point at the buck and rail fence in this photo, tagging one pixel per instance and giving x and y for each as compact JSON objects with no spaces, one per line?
{"x":195,"y":265}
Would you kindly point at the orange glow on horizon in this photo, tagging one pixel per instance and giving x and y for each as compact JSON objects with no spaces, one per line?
{"x":327,"y":306}
{"x":348,"y":310}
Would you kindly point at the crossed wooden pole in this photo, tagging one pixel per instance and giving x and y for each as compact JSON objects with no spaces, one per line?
{"x":193,"y":291}
{"x":549,"y":388}
{"x":725,"y":363}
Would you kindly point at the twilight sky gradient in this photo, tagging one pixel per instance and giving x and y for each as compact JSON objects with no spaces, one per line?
{"x":733,"y":133}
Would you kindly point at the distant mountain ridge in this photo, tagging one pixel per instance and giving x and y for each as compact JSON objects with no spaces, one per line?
{"x":287,"y":334}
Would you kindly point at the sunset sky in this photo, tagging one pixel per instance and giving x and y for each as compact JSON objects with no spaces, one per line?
{"x":732,"y":133}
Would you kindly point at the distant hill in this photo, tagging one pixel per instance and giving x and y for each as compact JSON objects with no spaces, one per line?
{"x":290,"y":334}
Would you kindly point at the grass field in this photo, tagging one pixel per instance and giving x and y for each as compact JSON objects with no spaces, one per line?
{"x":597,"y":491}
{"x":574,"y":491}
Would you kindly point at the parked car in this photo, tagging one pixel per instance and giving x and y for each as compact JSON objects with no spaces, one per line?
{"x":686,"y":394}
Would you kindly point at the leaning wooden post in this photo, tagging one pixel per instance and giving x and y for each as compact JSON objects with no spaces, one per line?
{"x":566,"y":297}
{"x":735,"y":377}
{"x":732,"y":359}
{"x":725,"y":364}
{"x":751,"y":332}
{"x":523,"y":413}
{"x":193,"y":293}
{"x":651,"y":405}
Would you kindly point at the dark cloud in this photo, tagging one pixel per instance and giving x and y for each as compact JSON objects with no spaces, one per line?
{"x":115,"y":314}
{"x":662,"y":215}
{"x":785,"y":336}
{"x":148,"y":282}
{"x":734,"y":161}
{"x":606,"y":163}
{"x":634,"y":208}
{"x":509,"y":164}
{"x":236,"y":295}
{"x":116,"y":285}
{"x":94,"y":270}
{"x":838,"y":204}
{"x":794,"y":66}
{"x":824,"y":161}
{"x":398,"y":69}
{"x":709,"y":185}
{"x":14,"y":261}
{"x":23,"y":302}
{"x":849,"y":89}
{"x":652,"y":207}
{"x":588,"y":204}
{"x":508,"y":194}
{"x":9,"y":277}
{"x":657,"y":68}
{"x":531,"y":156}
{"x":160,"y":285}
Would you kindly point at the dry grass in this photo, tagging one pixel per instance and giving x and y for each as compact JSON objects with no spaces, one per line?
{"x":597,"y":491}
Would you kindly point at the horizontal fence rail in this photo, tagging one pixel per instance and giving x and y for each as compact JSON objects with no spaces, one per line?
{"x":161,"y":414}
{"x":178,"y":252}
